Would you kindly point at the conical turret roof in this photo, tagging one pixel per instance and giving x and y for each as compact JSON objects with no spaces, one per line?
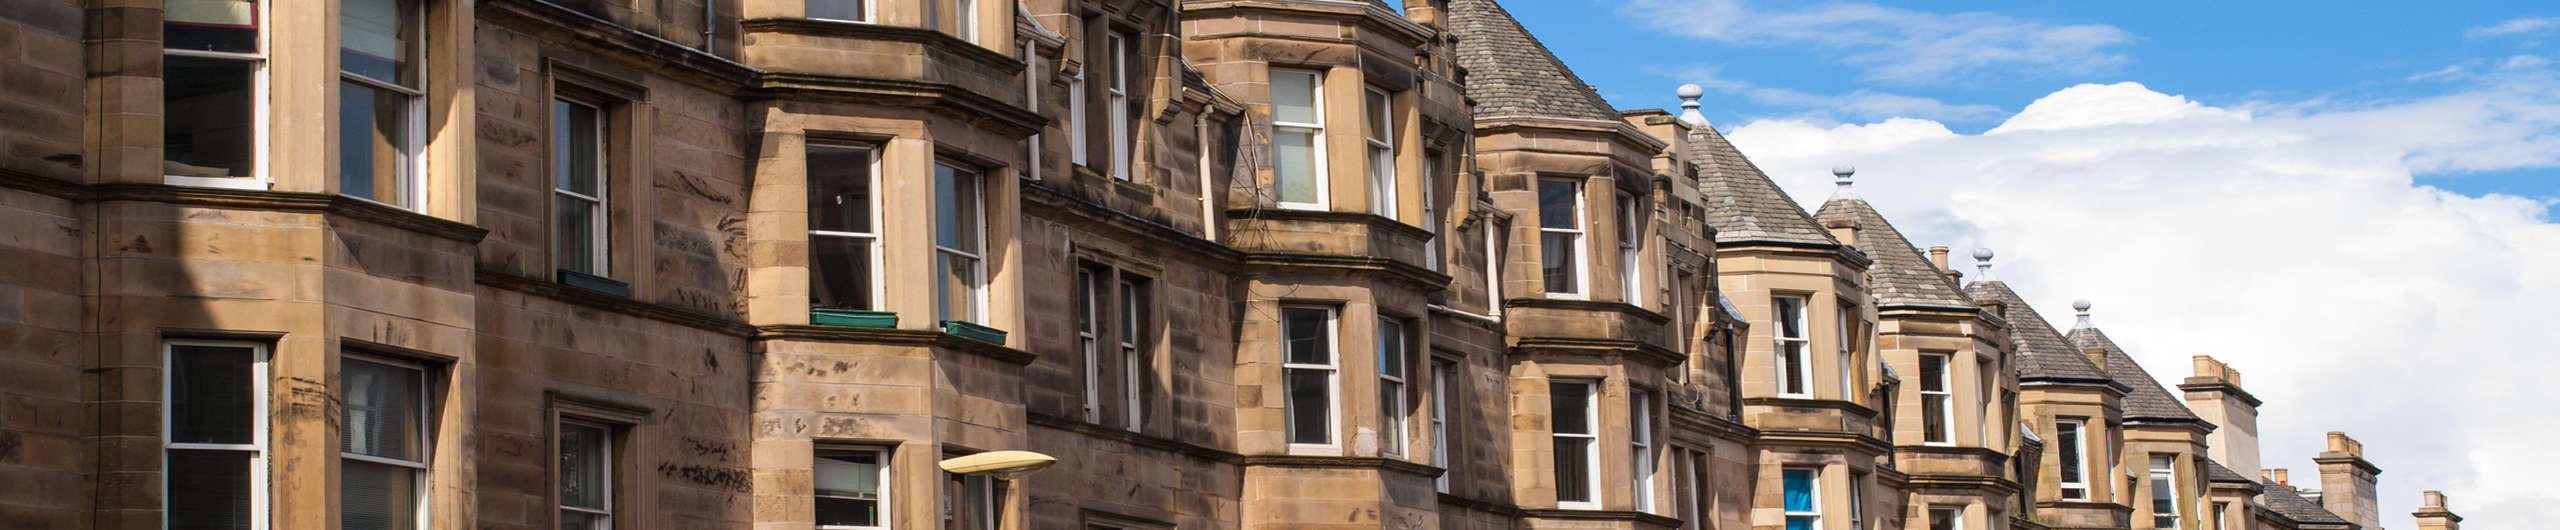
{"x":2043,"y":354}
{"x":1742,"y":203}
{"x":2145,"y":399}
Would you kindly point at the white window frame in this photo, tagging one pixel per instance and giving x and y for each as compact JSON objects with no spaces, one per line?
{"x":1858,"y":500}
{"x":426,"y":437}
{"x":412,"y":181}
{"x":1440,"y":374}
{"x":968,"y":19}
{"x":1630,"y":250}
{"x":1793,"y":352}
{"x":1847,"y":352}
{"x":1640,"y":439}
{"x":976,"y":313}
{"x":881,"y":455}
{"x":258,"y":421}
{"x":1077,"y":135}
{"x":2164,"y":472}
{"x":1939,"y":403}
{"x":605,"y":515}
{"x":1591,"y":450}
{"x":1982,"y":377}
{"x":1955,"y":517}
{"x":1493,"y":240}
{"x":1581,"y":243}
{"x":1392,"y":355}
{"x":1089,"y":334}
{"x":1377,"y":110}
{"x":2077,"y":430}
{"x":1333,"y":382}
{"x":1430,"y":211}
{"x":1132,"y":357}
{"x":877,"y":302}
{"x":261,"y":111}
{"x":599,"y":219}
{"x":1320,"y":173}
{"x":870,"y":10}
{"x":1815,"y":492}
{"x":1116,"y":91}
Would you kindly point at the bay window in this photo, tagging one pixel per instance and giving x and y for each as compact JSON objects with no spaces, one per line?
{"x":1795,"y":370}
{"x":2071,"y":447}
{"x":1297,"y":139}
{"x":1391,"y":371}
{"x":844,"y":245}
{"x":1560,"y":245}
{"x":850,"y":485}
{"x":1307,"y":374}
{"x":586,"y":476}
{"x":1801,"y":497}
{"x":216,"y":449}
{"x":959,"y":245}
{"x":213,"y":88}
{"x":1382,"y":153}
{"x":1935,"y":394}
{"x":581,"y":228}
{"x":1574,"y":414}
{"x":382,"y":480}
{"x":379,"y":101}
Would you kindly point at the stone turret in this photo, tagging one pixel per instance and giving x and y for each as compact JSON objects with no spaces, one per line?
{"x":2214,"y":394}
{"x":2434,"y":515}
{"x":2346,"y":482}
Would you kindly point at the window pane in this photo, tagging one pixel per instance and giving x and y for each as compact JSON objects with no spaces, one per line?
{"x":377,"y":496}
{"x":207,"y":130}
{"x":1305,"y":335}
{"x":212,"y":394}
{"x":381,"y":409}
{"x":373,"y":142}
{"x":1391,"y":415}
{"x":1293,"y":96}
{"x":377,"y":39}
{"x":836,"y":9}
{"x":1378,"y":111}
{"x":1390,"y":349}
{"x":1570,"y":405}
{"x":210,"y":25}
{"x":1933,"y":409}
{"x":1293,"y":164}
{"x":955,"y":195}
{"x":1555,"y":253}
{"x":840,"y":272}
{"x":1798,"y":485}
{"x":578,"y":520}
{"x":2069,"y":441}
{"x":848,"y":488}
{"x":1573,"y":469}
{"x":840,"y":189}
{"x":1793,"y":358}
{"x":582,"y":466}
{"x":577,"y":234}
{"x":1310,"y":407}
{"x":575,"y":160}
{"x":208,"y":490}
{"x":1791,"y":318}
{"x":1800,"y":523}
{"x":1557,"y":200}
{"x":1933,"y":373}
{"x":956,"y":296}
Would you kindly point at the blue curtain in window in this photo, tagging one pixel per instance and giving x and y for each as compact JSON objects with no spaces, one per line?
{"x":1799,"y":490}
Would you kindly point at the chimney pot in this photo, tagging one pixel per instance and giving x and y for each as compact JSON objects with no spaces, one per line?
{"x":2434,"y":516}
{"x":2277,"y":476}
{"x":1938,"y":257}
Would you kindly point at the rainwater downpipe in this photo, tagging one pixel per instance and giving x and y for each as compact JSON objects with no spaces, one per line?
{"x":710,"y":26}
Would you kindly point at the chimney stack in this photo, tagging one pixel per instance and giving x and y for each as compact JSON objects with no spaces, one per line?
{"x":1938,"y":257}
{"x":2434,"y":516}
{"x":2276,"y":475}
{"x":1844,"y":230}
{"x":2346,"y":482}
{"x":2214,"y":394}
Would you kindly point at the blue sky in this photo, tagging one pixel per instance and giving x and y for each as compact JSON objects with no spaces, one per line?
{"x":1808,"y":60}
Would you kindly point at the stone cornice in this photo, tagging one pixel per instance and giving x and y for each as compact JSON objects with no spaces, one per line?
{"x":2357,"y":461}
{"x":1654,"y":355}
{"x":673,"y":60}
{"x":1717,"y":426}
{"x":1063,"y":423}
{"x":1621,"y":132}
{"x":1481,"y":505}
{"x":2215,"y":384}
{"x":969,"y":106}
{"x":1843,"y":406}
{"x":1838,"y":439}
{"x":1601,"y":515}
{"x":1826,"y":250}
{"x":1059,"y":206}
{"x":289,"y":201}
{"x":1347,"y":462}
{"x":884,"y":32}
{"x":39,"y":185}
{"x":1412,"y":33}
{"x":1417,"y":278}
{"x":1588,"y":305}
{"x":1998,"y":485}
{"x":1373,"y":221}
{"x":916,"y":337}
{"x":617,"y":304}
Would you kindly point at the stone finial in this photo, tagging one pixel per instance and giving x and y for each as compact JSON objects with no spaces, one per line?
{"x":2082,"y":306}
{"x":1982,"y":264}
{"x":1689,"y":95}
{"x":1840,"y":175}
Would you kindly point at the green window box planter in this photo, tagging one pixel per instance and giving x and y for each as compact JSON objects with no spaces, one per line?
{"x":857,"y":318}
{"x":592,"y":283}
{"x":974,"y":332}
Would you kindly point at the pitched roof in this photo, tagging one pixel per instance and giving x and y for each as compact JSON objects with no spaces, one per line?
{"x":2215,"y":472}
{"x":2042,"y":352}
{"x":2145,"y":399}
{"x":1901,"y":276}
{"x":2282,"y":500}
{"x":1742,"y":203}
{"x":1510,"y":74}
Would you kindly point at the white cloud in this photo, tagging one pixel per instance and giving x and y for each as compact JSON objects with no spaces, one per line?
{"x":1857,"y":105}
{"x":2294,"y":245}
{"x":2517,"y":26}
{"x":1900,"y":45}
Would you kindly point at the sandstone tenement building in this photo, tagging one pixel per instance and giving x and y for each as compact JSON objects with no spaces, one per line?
{"x":1233,"y":264}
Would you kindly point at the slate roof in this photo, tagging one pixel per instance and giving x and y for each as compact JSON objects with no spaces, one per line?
{"x":2145,"y":399}
{"x":2042,"y":352}
{"x":1742,"y":203}
{"x":1901,"y":276}
{"x":2215,"y":472}
{"x":1510,"y":74}
{"x":2282,"y":500}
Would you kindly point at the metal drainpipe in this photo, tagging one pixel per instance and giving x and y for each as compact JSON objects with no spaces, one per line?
{"x":710,"y":26}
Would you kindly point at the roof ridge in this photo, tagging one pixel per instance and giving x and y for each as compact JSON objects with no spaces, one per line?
{"x":1752,"y":207}
{"x":1903,"y":274}
{"x":1511,"y":73}
{"x":2147,"y":398}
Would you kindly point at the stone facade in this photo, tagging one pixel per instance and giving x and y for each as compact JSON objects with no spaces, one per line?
{"x":1278,"y":264}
